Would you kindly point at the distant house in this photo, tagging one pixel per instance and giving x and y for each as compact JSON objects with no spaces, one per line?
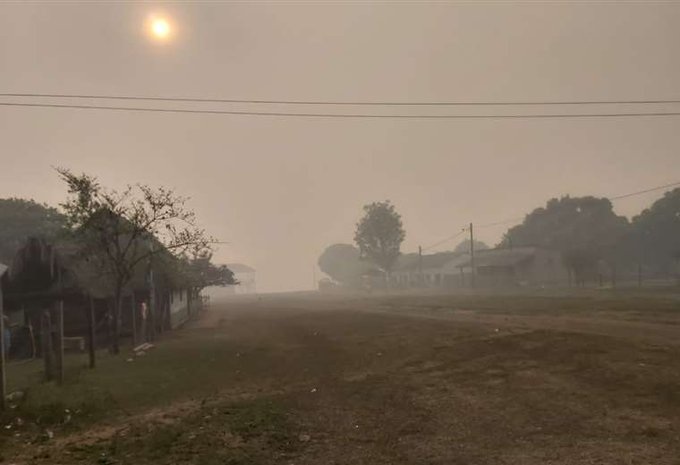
{"x":428,"y":271}
{"x":245,"y":275}
{"x":520,"y":266}
{"x":45,"y":273}
{"x":524,"y":266}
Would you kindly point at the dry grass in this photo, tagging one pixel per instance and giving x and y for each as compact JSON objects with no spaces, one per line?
{"x":381,"y":380}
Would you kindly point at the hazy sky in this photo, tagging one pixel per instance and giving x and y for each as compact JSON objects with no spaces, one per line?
{"x":280,"y":190}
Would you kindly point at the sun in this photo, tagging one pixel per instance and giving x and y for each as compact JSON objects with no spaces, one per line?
{"x":160,"y":28}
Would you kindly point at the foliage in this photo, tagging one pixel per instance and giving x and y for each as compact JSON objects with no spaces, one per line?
{"x":584,"y":229}
{"x":343,"y":264}
{"x":122,"y":231}
{"x":655,"y":235}
{"x":379,"y":234}
{"x":20,"y":218}
{"x":200,"y":272}
{"x":464,"y":246}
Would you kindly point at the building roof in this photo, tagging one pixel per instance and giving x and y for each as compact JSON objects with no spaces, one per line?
{"x":497,"y":257}
{"x":54,"y":268}
{"x":240,"y":268}
{"x":411,"y":262}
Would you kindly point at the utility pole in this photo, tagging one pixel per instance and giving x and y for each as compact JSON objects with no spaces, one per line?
{"x":420,"y":266}
{"x":472,"y":257}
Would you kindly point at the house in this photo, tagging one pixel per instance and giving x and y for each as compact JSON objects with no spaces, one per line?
{"x":413,"y":270}
{"x":520,"y":266}
{"x":523,"y":266}
{"x":45,"y":274}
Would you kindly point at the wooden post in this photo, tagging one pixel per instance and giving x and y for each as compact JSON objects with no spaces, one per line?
{"x":133,"y":304}
{"x":420,"y":266}
{"x":46,"y":337}
{"x":472,"y":257}
{"x":168,"y":321}
{"x":159,"y":312}
{"x":3,"y":373}
{"x":31,"y":334}
{"x":639,"y":274}
{"x":151,"y":324}
{"x":109,"y":322}
{"x":90,"y":327}
{"x":59,"y":323}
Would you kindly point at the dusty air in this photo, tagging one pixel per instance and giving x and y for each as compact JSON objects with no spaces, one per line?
{"x":386,"y":233}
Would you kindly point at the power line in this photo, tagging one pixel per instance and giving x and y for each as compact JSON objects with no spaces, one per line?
{"x":444,"y":240}
{"x":497,"y":223}
{"x":341,"y":115}
{"x":645,"y":191}
{"x":514,"y":220}
{"x":347,"y":103}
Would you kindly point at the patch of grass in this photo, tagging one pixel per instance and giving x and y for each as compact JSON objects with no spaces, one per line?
{"x":190,"y":364}
{"x":260,"y":418}
{"x":252,"y":432}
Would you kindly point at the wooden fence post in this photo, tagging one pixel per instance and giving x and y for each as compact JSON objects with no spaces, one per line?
{"x":159,"y":312}
{"x":46,"y":337}
{"x":59,"y":346}
{"x":3,"y":374}
{"x":152,"y":314}
{"x":91,"y":336}
{"x":133,"y":304}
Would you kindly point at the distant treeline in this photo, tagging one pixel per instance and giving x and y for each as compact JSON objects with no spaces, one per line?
{"x":594,"y":241}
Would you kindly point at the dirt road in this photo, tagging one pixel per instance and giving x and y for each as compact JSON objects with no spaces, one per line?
{"x":410,"y":380}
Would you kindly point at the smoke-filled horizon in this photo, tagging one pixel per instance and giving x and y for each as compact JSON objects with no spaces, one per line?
{"x":279,"y":190}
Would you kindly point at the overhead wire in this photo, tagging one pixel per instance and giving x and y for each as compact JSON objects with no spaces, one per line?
{"x":343,"y":103}
{"x":514,"y":220}
{"x":343,"y":115}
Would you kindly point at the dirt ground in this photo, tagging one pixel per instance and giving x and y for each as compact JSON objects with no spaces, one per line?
{"x":429,"y":379}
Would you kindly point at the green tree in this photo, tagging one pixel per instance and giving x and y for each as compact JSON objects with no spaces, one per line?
{"x":122,"y":231}
{"x":585,"y":229}
{"x":655,"y":236}
{"x":20,"y":218}
{"x":200,"y":272}
{"x":343,"y":264}
{"x":379,"y":235}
